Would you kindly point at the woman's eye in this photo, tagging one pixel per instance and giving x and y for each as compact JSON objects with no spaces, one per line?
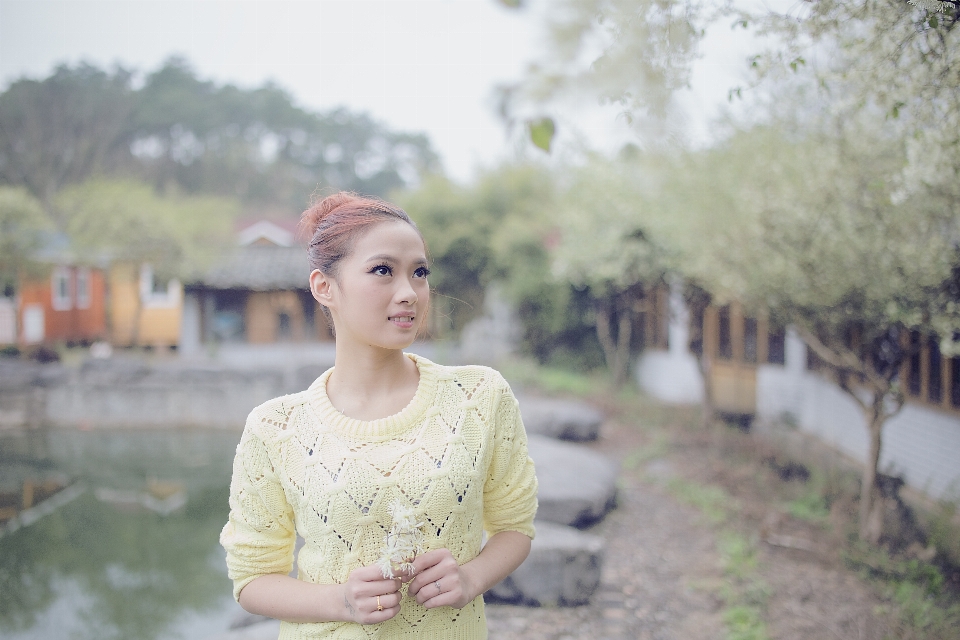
{"x":382,"y":270}
{"x":422,"y":272}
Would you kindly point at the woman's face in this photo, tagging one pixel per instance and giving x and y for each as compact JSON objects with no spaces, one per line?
{"x":380,"y":294}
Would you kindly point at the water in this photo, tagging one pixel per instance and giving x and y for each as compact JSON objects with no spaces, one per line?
{"x":135,"y":553}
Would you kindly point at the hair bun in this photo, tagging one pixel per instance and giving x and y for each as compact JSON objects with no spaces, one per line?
{"x":311,"y":218}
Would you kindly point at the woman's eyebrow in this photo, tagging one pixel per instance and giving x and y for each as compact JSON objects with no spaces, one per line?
{"x":383,"y":257}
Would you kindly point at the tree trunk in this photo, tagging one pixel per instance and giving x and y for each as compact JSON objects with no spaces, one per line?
{"x":616,"y":349}
{"x":871,"y":501}
{"x":707,"y":406}
{"x":624,"y":335}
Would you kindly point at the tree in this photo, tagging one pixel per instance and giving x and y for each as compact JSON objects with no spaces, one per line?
{"x":22,"y":225}
{"x":63,"y":129}
{"x":258,"y":145}
{"x":125,"y":221}
{"x":815,"y":229}
{"x":494,"y":231}
{"x":185,"y":134}
{"x":631,"y":54}
{"x":607,"y":248}
{"x":841,"y":216}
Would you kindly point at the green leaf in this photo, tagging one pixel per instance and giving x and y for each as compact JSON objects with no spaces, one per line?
{"x":542,"y":132}
{"x":513,"y":4}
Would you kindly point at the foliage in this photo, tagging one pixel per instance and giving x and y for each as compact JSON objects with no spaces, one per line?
{"x":915,"y":589}
{"x":500,"y":231}
{"x":65,"y":128}
{"x":22,"y":224}
{"x":631,"y":54}
{"x":185,"y":134}
{"x":127,"y":221}
{"x":608,"y":249}
{"x":831,"y":244}
{"x":525,"y":372}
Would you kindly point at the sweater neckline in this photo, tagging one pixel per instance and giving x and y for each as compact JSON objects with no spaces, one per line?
{"x":381,"y":427}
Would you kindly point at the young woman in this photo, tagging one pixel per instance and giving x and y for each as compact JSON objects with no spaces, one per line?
{"x":381,"y":429}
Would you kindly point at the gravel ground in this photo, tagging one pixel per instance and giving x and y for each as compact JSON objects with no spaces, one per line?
{"x":663,"y":576}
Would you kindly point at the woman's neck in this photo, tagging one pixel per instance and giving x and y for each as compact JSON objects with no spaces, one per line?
{"x":369,"y":384}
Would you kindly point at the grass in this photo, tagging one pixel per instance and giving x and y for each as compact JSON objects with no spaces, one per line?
{"x":658,"y":448}
{"x":812,"y":507}
{"x":552,"y":380}
{"x":712,"y":501}
{"x":915,"y":592}
{"x":744,"y":594}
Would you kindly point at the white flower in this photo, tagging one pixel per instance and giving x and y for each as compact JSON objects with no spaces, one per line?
{"x":933,"y":6}
{"x":403,"y":542}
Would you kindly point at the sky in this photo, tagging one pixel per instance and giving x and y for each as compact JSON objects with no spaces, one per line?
{"x":415,"y":65}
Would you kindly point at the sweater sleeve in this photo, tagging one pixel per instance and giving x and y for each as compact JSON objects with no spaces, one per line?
{"x":510,"y":490}
{"x":260,"y":535}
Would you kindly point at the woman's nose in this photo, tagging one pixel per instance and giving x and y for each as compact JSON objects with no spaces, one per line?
{"x":406,"y":293}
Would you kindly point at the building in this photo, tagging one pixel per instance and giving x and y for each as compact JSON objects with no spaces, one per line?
{"x":770,"y":374}
{"x":144,"y":310}
{"x":258,"y":294}
{"x":65,"y":304}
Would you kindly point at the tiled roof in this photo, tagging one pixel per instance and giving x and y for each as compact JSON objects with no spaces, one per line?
{"x":259,"y":268}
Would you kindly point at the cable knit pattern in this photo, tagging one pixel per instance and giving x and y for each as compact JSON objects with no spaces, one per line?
{"x":456,"y":454}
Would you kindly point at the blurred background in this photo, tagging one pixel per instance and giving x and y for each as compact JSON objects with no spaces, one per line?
{"x":748,"y":208}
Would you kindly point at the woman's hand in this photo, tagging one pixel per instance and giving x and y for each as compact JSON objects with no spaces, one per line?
{"x":369,"y":598}
{"x":439,"y":581}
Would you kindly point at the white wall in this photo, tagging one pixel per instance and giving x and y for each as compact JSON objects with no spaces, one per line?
{"x":921,"y":443}
{"x":8,"y":321}
{"x":672,"y":375}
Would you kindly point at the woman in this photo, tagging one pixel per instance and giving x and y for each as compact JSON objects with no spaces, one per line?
{"x":379,"y":431}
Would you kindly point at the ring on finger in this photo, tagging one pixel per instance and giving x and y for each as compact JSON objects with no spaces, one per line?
{"x":437,"y":585}
{"x":379,"y":606}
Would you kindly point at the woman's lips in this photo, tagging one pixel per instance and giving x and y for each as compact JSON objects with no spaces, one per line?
{"x":404,"y":322}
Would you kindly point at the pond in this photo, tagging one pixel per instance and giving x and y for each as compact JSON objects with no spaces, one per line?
{"x":122,"y":539}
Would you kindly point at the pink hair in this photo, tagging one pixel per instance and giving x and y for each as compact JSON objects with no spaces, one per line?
{"x":334,"y":223}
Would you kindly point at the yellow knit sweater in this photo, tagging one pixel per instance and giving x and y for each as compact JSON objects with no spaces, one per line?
{"x":456,"y":454}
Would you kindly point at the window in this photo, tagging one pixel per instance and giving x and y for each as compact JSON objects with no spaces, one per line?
{"x":60,"y":290}
{"x":913,"y":376}
{"x":157,"y":293}
{"x":955,"y":383}
{"x":83,"y":288}
{"x":934,"y":370}
{"x":749,"y":339}
{"x":777,"y":346}
{"x":724,"y":339}
{"x":284,"y":326}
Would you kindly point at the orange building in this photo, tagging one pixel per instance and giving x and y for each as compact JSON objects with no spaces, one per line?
{"x":68,"y":305}
{"x":144,"y":311}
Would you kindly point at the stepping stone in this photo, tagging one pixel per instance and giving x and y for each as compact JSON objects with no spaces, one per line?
{"x":563,"y":569}
{"x":577,"y":486}
{"x":561,"y":419}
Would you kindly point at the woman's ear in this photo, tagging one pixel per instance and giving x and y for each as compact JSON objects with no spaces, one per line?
{"x":321,"y":286}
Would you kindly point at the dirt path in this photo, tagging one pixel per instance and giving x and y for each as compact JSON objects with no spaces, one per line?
{"x":665,"y":575}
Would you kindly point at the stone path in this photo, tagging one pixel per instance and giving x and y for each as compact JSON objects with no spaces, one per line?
{"x":660,"y":567}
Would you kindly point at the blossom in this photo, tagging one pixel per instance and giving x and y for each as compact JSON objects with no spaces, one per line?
{"x":403,"y":542}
